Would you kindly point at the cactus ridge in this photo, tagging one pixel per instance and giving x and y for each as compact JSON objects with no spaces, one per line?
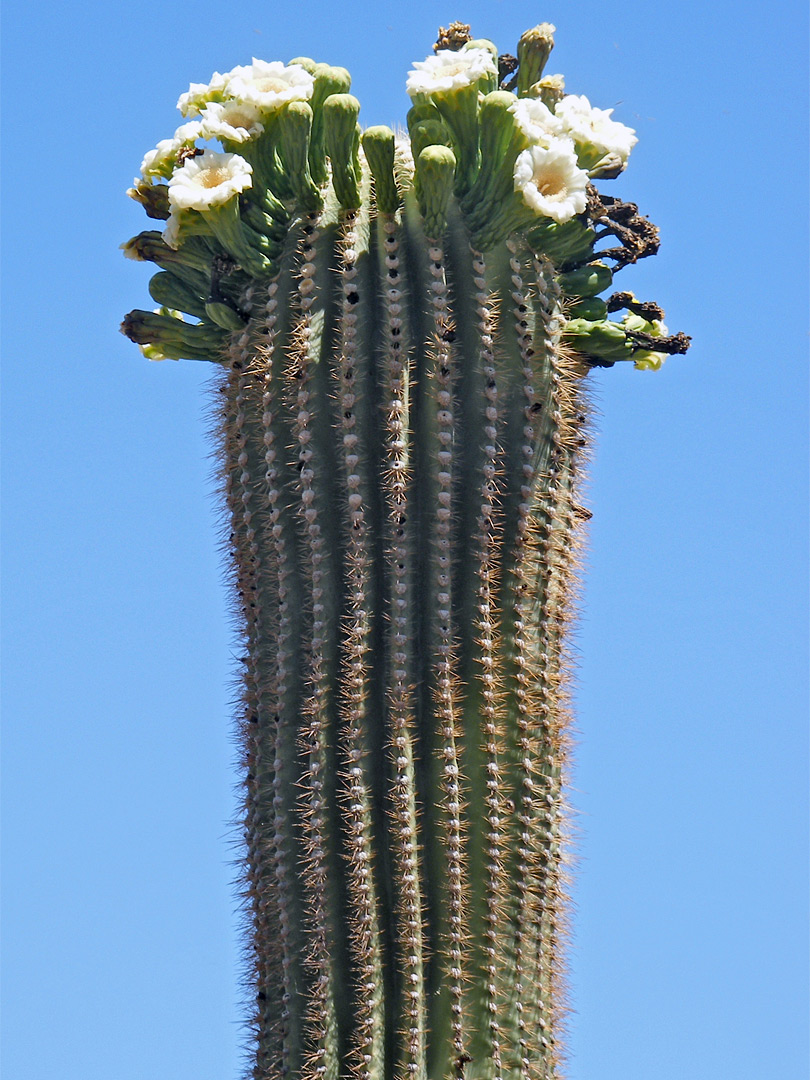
{"x":406,"y":326}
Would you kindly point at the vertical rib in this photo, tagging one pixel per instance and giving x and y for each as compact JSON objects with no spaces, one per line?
{"x":368,"y":1034}
{"x":487,"y":627}
{"x":321,"y":1020}
{"x":412,"y":1054}
{"x":257,"y":747}
{"x":278,"y":658}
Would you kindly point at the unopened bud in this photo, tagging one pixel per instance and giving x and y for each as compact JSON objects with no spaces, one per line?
{"x":378,"y":145}
{"x":340,"y":112}
{"x":534,"y":49}
{"x":435,"y":174}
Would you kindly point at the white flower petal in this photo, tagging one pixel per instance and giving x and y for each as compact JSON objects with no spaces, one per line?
{"x":537,"y":122}
{"x":550,"y":181}
{"x":236,"y":121}
{"x":208,"y":180}
{"x":594,"y":127}
{"x":161,"y":161}
{"x":270,"y":85}
{"x":199,"y":94}
{"x":448,"y":70}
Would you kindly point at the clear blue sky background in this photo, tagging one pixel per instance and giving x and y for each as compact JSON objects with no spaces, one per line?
{"x":121,"y":950}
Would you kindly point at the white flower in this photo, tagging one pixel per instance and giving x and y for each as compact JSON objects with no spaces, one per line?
{"x":161,"y":161}
{"x":208,"y":180}
{"x":269,"y":86}
{"x":200,"y":94}
{"x":537,"y":122}
{"x":448,"y":70}
{"x":550,"y":181}
{"x":235,"y":121}
{"x":594,"y":128}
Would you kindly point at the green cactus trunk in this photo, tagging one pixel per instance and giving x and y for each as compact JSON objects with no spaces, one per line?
{"x":402,"y":433}
{"x":404,"y":328}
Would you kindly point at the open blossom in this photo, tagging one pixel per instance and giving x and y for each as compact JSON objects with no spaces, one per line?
{"x":161,"y":161}
{"x":537,"y":122}
{"x":235,"y":121}
{"x":270,"y":85}
{"x":550,"y":181}
{"x":449,"y":70}
{"x":594,"y":128}
{"x":200,"y":94}
{"x":209,"y":180}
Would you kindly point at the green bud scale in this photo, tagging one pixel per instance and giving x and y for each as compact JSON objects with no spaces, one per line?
{"x":405,"y":329}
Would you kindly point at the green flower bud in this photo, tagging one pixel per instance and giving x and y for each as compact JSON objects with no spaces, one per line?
{"x":328,"y":81}
{"x":306,"y":63}
{"x":603,"y":343}
{"x":571,"y":242}
{"x":173,"y":337}
{"x":501,"y":141}
{"x":534,"y":49}
{"x":295,"y":127}
{"x":421,"y":110}
{"x":378,"y":145}
{"x":191,"y":262}
{"x":223,"y":315}
{"x":154,"y":198}
{"x":591,"y":308}
{"x":587,"y":280}
{"x":429,"y":133}
{"x":170,"y":291}
{"x":240,"y":242}
{"x":340,"y":112}
{"x":435,"y":173}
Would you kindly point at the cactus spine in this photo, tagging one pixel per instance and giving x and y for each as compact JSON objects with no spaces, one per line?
{"x":405,"y":326}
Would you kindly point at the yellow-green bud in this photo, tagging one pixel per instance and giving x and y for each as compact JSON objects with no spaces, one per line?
{"x":306,"y":63}
{"x":295,"y":127}
{"x":378,"y":145}
{"x":534,"y":49}
{"x":603,"y":343}
{"x":435,"y":174}
{"x":328,"y":80}
{"x":550,"y":89}
{"x":340,"y":112}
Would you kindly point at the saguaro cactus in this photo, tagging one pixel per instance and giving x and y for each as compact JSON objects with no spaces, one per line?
{"x":404,"y":326}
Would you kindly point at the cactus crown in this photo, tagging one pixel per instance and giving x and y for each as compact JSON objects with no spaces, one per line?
{"x":404,"y":325}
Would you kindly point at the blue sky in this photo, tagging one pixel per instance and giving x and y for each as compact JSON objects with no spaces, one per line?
{"x":121,"y":948}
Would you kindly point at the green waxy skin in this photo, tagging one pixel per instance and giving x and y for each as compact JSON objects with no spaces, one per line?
{"x":403,"y":418}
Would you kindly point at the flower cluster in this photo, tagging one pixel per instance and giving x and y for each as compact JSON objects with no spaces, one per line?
{"x":266,"y":143}
{"x":233,"y":109}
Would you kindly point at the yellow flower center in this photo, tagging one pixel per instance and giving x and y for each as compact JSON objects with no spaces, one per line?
{"x":213,"y":177}
{"x":271,"y":85}
{"x":549,"y":183}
